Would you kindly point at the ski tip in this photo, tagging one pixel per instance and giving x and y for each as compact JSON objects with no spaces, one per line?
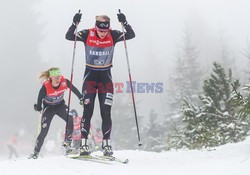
{"x":73,"y":156}
{"x":126,"y":161}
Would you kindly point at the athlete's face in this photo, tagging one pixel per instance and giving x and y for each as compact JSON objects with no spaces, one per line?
{"x":102,"y":33}
{"x":55,"y":80}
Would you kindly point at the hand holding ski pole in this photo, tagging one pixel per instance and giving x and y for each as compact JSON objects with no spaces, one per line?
{"x":37,"y":108}
{"x":122,"y":19}
{"x":81,"y":101}
{"x":77,"y":18}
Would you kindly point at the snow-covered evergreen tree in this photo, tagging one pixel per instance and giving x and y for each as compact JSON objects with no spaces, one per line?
{"x":183,"y":83}
{"x":215,"y":122}
{"x":186,"y":79}
{"x":243,"y":101}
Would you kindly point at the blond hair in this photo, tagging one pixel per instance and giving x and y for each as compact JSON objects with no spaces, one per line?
{"x":44,"y":76}
{"x":102,"y":18}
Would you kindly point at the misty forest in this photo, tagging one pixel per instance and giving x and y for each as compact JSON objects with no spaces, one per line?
{"x":201,"y":62}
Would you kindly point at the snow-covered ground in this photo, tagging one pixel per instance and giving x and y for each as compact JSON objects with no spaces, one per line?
{"x":231,"y":159}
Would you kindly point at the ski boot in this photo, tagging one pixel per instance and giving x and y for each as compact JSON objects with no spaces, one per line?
{"x":107,"y":149}
{"x":33,"y":156}
{"x":84,"y":149}
{"x":67,"y":146}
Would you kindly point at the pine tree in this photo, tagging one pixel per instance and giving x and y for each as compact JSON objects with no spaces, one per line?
{"x":185,"y":81}
{"x":218,"y":88}
{"x":215,"y":122}
{"x":243,"y":101}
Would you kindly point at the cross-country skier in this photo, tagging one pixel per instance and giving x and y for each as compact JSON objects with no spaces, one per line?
{"x":76,"y":135}
{"x":11,"y":145}
{"x":99,"y":49}
{"x":51,"y":96}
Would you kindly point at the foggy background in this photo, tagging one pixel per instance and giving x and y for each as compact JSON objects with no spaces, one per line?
{"x":33,"y":40}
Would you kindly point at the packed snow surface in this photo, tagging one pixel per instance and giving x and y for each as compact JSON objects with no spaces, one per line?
{"x":230,"y":159}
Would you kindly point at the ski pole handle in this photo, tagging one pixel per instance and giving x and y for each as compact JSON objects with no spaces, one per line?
{"x":79,"y":12}
{"x":119,"y":11}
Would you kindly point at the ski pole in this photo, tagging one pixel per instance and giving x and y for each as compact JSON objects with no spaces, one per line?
{"x":131,"y":85}
{"x":71,"y":79}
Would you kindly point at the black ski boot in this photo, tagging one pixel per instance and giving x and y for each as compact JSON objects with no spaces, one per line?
{"x":33,"y":156}
{"x":84,"y":149}
{"x":67,"y":146}
{"x":107,"y":149}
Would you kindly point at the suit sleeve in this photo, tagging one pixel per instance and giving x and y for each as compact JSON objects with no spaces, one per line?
{"x":41,"y":95}
{"x":81,"y":35}
{"x":118,"y":35}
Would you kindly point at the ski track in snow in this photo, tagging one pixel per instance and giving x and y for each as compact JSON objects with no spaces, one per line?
{"x":230,"y":159}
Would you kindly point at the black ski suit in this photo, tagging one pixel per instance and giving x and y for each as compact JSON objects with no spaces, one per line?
{"x":48,"y":113}
{"x":98,"y":75}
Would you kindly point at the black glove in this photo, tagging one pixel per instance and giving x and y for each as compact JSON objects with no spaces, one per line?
{"x":122,"y":18}
{"x":77,"y":18}
{"x":37,"y":108}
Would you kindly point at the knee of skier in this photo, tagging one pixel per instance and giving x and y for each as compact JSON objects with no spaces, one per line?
{"x":44,"y":130}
